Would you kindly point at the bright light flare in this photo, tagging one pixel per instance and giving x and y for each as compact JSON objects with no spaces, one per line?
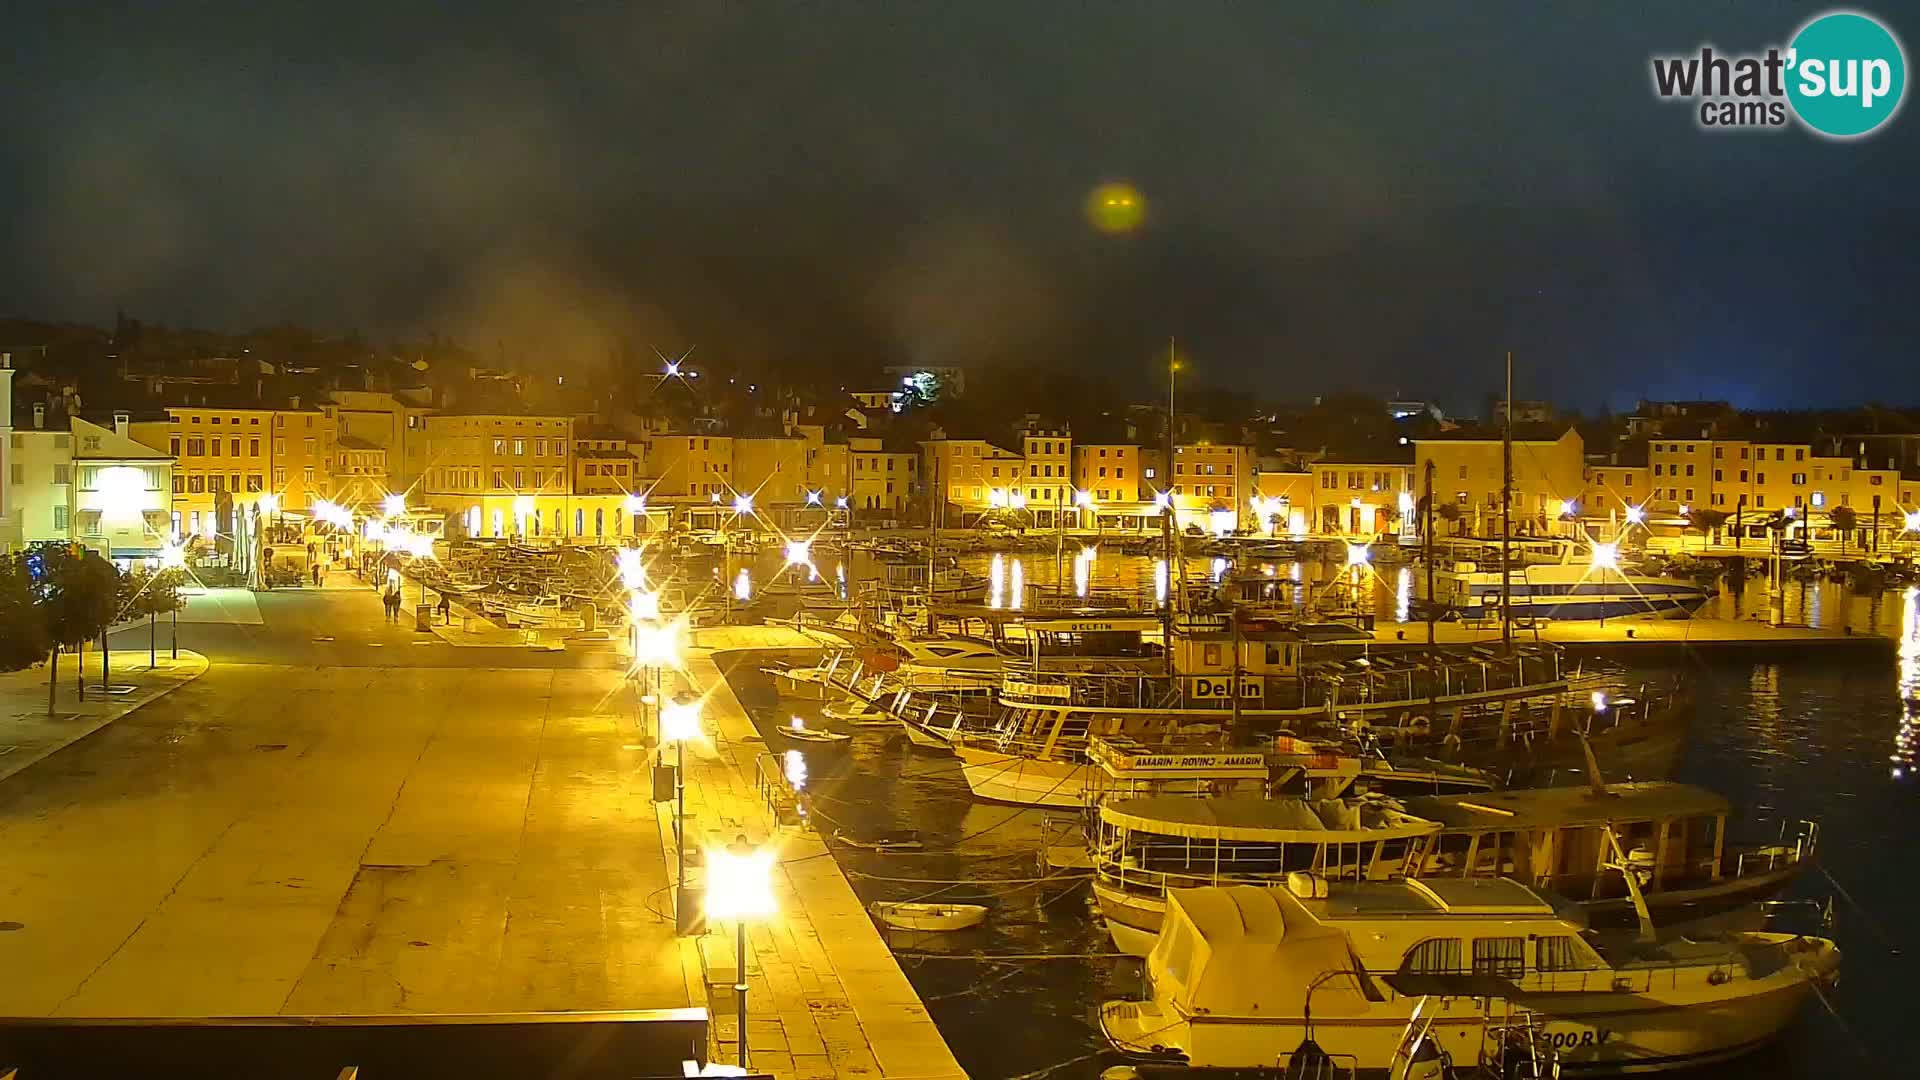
{"x":799,"y":553}
{"x":394,"y":505}
{"x":680,"y":721}
{"x":643,"y":604}
{"x":1599,"y":701}
{"x":173,"y":557}
{"x":743,"y":504}
{"x":633,"y":574}
{"x":739,"y":883}
{"x":1636,"y":515}
{"x":743,"y":585}
{"x":1358,"y":555}
{"x":636,"y":504}
{"x":268,"y":503}
{"x":658,"y":646}
{"x":1606,"y":556}
{"x":1083,"y":499}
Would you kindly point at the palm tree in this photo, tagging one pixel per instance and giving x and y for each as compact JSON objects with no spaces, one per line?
{"x":1844,"y":521}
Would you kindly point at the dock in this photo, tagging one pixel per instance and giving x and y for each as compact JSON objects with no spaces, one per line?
{"x":1648,"y":638}
{"x":826,"y":997}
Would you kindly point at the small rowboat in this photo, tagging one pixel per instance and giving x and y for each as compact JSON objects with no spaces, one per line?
{"x":905,"y":840}
{"x":801,"y":735}
{"x":932,"y":917}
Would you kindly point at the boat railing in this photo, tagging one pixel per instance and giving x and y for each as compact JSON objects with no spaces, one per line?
{"x":1317,"y":1064}
{"x":1778,"y":856}
{"x":1141,"y":881}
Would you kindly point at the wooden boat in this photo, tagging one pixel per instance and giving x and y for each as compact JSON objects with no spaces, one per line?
{"x":801,"y":735}
{"x":901,"y":840}
{"x":929,"y":917}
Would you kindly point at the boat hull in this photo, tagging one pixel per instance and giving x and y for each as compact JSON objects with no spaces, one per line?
{"x":1600,"y":1034}
{"x":800,"y":687}
{"x":1023,"y":781}
{"x":927,"y":738}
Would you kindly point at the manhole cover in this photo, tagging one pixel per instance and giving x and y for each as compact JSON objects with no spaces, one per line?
{"x":11,"y":925}
{"x":269,"y":747}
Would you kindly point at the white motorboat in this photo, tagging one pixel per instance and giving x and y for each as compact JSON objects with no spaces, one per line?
{"x":1247,"y":977}
{"x":929,"y":917}
{"x":1582,"y":582}
{"x":856,"y":713}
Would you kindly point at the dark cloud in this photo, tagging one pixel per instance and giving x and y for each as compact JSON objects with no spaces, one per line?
{"x":1381,"y":196}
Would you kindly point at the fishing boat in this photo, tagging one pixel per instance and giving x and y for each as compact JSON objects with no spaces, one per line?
{"x":1554,"y":839}
{"x":1247,"y":977}
{"x":928,"y":917}
{"x":1584,"y":581}
{"x":935,"y":581}
{"x":798,"y":733}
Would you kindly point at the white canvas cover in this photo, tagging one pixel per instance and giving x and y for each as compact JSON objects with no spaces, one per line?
{"x":1254,"y":952}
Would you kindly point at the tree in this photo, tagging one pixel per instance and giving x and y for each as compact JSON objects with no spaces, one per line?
{"x":78,"y":599}
{"x":1449,"y":513}
{"x":1706,"y":522}
{"x":1844,"y":521}
{"x":152,"y":594}
{"x":23,"y":630}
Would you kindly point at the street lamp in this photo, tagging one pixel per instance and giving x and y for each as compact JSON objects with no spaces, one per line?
{"x":680,"y":722}
{"x":740,"y":887}
{"x":633,"y":575}
{"x":1913,"y":521}
{"x":1636,"y":515}
{"x":395,"y":505}
{"x":799,"y":553}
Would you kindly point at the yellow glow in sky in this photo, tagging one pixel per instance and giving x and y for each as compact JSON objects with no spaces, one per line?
{"x":1116,"y":207}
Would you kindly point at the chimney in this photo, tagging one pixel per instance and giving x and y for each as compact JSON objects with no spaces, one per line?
{"x":294,"y":403}
{"x":40,"y":415}
{"x":120,"y":422}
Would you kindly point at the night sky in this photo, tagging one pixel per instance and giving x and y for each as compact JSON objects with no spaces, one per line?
{"x":1377,"y":197}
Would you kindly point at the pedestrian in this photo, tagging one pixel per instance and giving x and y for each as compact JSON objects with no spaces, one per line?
{"x":446,"y":607}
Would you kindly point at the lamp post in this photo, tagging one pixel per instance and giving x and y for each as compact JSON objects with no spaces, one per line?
{"x":1605,"y":557}
{"x":679,"y":722}
{"x":739,"y":887}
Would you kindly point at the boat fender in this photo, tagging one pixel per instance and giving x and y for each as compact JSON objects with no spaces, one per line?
{"x":1306,"y":886}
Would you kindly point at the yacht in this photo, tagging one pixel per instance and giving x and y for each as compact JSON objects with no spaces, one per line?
{"x":1581,"y":582}
{"x":1549,"y":838}
{"x":1335,"y":973}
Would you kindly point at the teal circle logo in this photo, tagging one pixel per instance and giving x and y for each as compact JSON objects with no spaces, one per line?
{"x":1846,"y":74}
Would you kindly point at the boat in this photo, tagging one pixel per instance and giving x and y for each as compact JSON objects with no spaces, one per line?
{"x":900,"y":840}
{"x":1224,"y":672}
{"x":1248,"y":977}
{"x":856,"y":713}
{"x":936,"y":581}
{"x":1552,"y":839}
{"x":1583,"y":582}
{"x":928,"y":917}
{"x":798,"y":733}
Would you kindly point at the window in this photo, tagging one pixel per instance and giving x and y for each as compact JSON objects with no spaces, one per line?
{"x":1799,"y":479}
{"x":279,"y":448}
{"x":307,"y":475}
{"x":1689,"y":469}
{"x":1691,"y":448}
{"x":215,"y":420}
{"x":233,"y":450}
{"x":63,"y":474}
{"x":309,"y":421}
{"x":256,"y":482}
{"x":1760,"y":501}
{"x":519,"y":448}
{"x":1149,"y":474}
{"x":60,"y":517}
{"x":233,"y":482}
{"x":539,"y":448}
{"x":179,"y":484}
{"x":1656,"y":468}
{"x":1717,"y":477}
{"x":196,"y":484}
{"x":173,"y":445}
{"x":1463,"y":472}
{"x":279,"y":476}
{"x":253,"y":447}
{"x":196,"y":447}
{"x":1759,"y":478}
{"x":1743,"y":453}
{"x":1555,"y":954}
{"x":214,"y":444}
{"x":1874,"y":481}
{"x":1716,"y":453}
{"x":1434,"y":956}
{"x":1628,"y":481}
{"x":216,"y":483}
{"x":1743,"y":475}
{"x":580,"y":522}
{"x":1779,"y":453}
{"x":1503,"y":956}
{"x":1799,"y":453}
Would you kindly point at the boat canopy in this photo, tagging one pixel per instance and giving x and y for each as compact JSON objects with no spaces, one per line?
{"x":1268,"y":821}
{"x":1246,"y":951}
{"x":1570,"y":807}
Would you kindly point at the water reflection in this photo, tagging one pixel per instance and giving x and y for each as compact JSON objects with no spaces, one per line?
{"x":1909,"y":686}
{"x":796,"y":769}
{"x":1019,"y":585}
{"x":1160,"y":582}
{"x":1403,"y":595}
{"x":1083,"y":570}
{"x":996,"y":580}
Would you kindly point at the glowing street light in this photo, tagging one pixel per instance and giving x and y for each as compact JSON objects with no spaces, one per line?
{"x":268,"y":503}
{"x":840,"y":503}
{"x":679,"y":724}
{"x":395,"y":505}
{"x":743,"y":504}
{"x":636,"y":504}
{"x":798,"y":553}
{"x":673,"y":368}
{"x":1358,"y":555}
{"x":740,"y":887}
{"x":1606,"y":556}
{"x":1599,"y":701}
{"x":1636,"y":515}
{"x":633,"y":575}
{"x":813,"y":498}
{"x":173,"y":557}
{"x":1083,"y":499}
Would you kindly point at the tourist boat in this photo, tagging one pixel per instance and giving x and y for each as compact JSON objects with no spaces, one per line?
{"x":1555,"y":839}
{"x":798,"y":733}
{"x":928,"y":917}
{"x":1582,"y":583}
{"x":1226,"y":673}
{"x":1248,"y":977}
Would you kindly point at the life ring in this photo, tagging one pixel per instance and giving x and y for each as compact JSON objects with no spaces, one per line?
{"x":1420,"y":725}
{"x":1451,"y":742}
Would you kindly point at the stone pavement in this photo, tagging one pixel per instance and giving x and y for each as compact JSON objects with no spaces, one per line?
{"x":28,"y":733}
{"x":826,"y":998}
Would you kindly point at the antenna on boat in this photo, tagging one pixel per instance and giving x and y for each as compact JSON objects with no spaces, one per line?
{"x":1506,"y":515}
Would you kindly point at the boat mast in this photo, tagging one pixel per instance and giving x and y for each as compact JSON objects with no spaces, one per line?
{"x":1176,"y":563}
{"x":1506,"y":516}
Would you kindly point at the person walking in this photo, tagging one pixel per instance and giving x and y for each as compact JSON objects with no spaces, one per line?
{"x":316,"y":575}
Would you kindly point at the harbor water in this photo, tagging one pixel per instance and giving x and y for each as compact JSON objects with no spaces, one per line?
{"x":1817,"y":739}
